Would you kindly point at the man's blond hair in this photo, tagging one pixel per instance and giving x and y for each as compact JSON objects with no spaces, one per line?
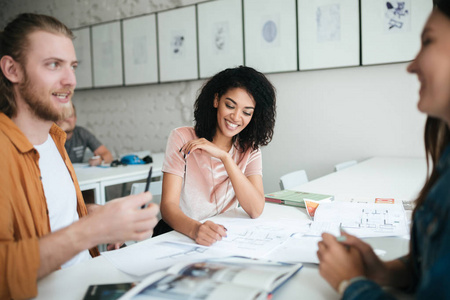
{"x":14,"y":42}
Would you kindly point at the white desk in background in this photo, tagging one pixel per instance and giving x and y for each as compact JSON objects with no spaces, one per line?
{"x":98,"y":178}
{"x":379,"y":177}
{"x":73,"y":282}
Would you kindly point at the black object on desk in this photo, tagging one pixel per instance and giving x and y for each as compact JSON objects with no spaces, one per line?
{"x":107,"y":291}
{"x":147,"y":184}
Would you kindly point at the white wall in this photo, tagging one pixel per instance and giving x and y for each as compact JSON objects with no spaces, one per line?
{"x":324,"y":117}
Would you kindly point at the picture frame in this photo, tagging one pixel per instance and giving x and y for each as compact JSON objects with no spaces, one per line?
{"x":270,"y":31}
{"x":140,"y":50}
{"x":391,"y":30}
{"x":107,"y":54}
{"x":177,"y":44}
{"x":82,"y":45}
{"x":329,"y":35}
{"x":220,"y":36}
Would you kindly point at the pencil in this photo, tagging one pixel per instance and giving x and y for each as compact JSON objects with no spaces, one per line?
{"x":149,"y":178}
{"x":147,"y":184}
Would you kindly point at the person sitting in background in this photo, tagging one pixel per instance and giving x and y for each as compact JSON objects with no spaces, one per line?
{"x":79,"y":138}
{"x":44,"y":223}
{"x":351,"y":266}
{"x":214,"y":166}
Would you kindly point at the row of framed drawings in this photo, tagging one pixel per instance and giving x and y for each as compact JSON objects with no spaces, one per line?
{"x":272,"y":36}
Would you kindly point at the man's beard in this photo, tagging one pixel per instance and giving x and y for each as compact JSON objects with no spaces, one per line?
{"x":40,"y":104}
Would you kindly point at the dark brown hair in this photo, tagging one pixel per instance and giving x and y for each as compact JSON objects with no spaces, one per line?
{"x":437,"y":134}
{"x":14,"y":42}
{"x":437,"y":137}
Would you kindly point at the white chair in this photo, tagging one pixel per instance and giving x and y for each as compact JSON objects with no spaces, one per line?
{"x":155,"y":188}
{"x":344,"y":165}
{"x":293,"y":179}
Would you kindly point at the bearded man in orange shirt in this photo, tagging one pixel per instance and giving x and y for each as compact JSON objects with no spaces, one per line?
{"x":44,"y":223}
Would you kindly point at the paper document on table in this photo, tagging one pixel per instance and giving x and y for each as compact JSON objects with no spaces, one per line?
{"x":297,"y":248}
{"x":143,"y":258}
{"x":256,"y":238}
{"x":360,"y":219}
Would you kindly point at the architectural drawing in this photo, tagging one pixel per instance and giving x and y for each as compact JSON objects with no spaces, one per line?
{"x":360,"y":219}
{"x":255,"y":238}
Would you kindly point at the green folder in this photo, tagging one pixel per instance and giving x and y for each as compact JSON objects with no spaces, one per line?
{"x":295,"y":198}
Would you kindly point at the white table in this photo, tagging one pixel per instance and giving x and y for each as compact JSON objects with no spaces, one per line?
{"x":379,"y":177}
{"x":98,"y":178}
{"x":72,"y":283}
{"x":99,"y":271}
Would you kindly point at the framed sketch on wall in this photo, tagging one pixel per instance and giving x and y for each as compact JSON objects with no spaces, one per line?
{"x":82,"y":45}
{"x":140,"y":50}
{"x":177,"y":32}
{"x":270,"y":35}
{"x":391,"y":29}
{"x":220,"y":36}
{"x":328,"y":33}
{"x":107,"y":54}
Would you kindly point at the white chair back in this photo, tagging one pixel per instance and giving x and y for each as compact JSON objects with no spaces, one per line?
{"x":344,"y":165}
{"x":155,"y":189}
{"x":139,"y":187}
{"x":293,"y":179}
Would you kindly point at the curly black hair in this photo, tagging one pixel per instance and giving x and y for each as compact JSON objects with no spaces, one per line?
{"x":259,"y":130}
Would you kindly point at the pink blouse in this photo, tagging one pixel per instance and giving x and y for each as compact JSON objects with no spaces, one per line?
{"x":206,"y":189}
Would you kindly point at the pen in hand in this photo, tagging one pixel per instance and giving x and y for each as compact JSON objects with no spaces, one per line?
{"x":342,"y":238}
{"x":147,"y":184}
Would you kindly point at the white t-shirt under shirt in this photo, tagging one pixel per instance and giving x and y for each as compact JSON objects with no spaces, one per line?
{"x":206,"y":190}
{"x":59,"y":192}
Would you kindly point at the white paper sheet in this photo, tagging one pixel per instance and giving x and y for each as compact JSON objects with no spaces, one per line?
{"x":297,"y":248}
{"x":360,"y":219}
{"x":144,"y":258}
{"x":257,"y":238}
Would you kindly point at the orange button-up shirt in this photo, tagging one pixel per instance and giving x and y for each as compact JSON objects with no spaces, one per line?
{"x":23,"y":209}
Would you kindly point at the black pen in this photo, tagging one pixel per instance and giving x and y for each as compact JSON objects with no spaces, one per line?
{"x":147,"y":184}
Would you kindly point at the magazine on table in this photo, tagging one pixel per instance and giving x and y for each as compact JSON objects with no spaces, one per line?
{"x":223,"y":278}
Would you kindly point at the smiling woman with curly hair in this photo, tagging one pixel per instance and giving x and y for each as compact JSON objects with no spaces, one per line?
{"x":259,"y":131}
{"x":216,"y":165}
